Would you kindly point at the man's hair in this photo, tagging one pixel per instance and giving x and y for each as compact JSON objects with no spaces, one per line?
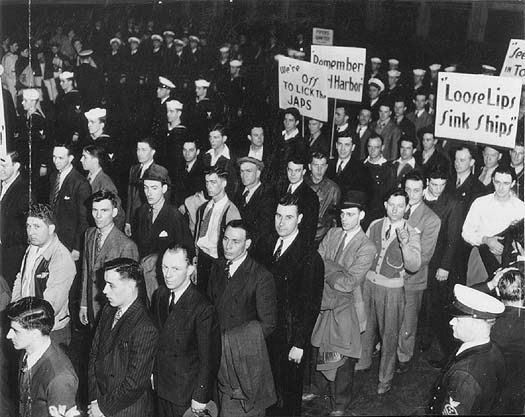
{"x":438,"y":173}
{"x":191,"y":139}
{"x":240,"y":224}
{"x":387,"y":103}
{"x":15,"y":157}
{"x":492,"y":147}
{"x":65,"y":145}
{"x":96,"y":152}
{"x":127,"y":269}
{"x":219,"y":128}
{"x":421,"y":93}
{"x":504,"y":169}
{"x":150,"y":141}
{"x":179,"y":248}
{"x":257,"y":126}
{"x":104,"y":194}
{"x":396,"y":192}
{"x":291,"y":200}
{"x":400,"y":99}
{"x":42,"y":212}
{"x":298,"y":159}
{"x":413,"y":176}
{"x":32,"y":313}
{"x":511,"y":286}
{"x":347,"y":113}
{"x":220,"y":172}
{"x":375,"y":136}
{"x":408,"y":139}
{"x":466,"y":148}
{"x":426,"y":130}
{"x":318,"y":155}
{"x":294,"y":112}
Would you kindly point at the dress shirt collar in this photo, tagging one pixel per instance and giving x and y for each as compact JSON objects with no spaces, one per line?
{"x":251,"y":191}
{"x":144,"y":167}
{"x":237,"y":263}
{"x":342,"y":127}
{"x":225,"y":152}
{"x":105,"y":233}
{"x":290,"y":135}
{"x":35,"y":356}
{"x":428,"y":196}
{"x":287,"y":241}
{"x":411,"y":162}
{"x":468,"y":345}
{"x":7,"y":184}
{"x":64,"y":173}
{"x":123,"y":309}
{"x":92,"y":176}
{"x":344,"y":161}
{"x":189,"y":166}
{"x":463,"y":177}
{"x":256,"y":153}
{"x":295,"y":186}
{"x":178,"y":293}
{"x":351,"y":234}
{"x":219,"y":204}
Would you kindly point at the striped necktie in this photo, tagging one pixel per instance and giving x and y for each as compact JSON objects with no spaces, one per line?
{"x":56,"y":190}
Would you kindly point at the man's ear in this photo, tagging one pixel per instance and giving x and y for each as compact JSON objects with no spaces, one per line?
{"x":248,"y":244}
{"x":299,"y":218}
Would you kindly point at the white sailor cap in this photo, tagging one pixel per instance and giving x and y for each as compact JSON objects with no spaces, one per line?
{"x":488,"y":68}
{"x":393,"y":61}
{"x":451,"y":68}
{"x":394,"y":73}
{"x":474,"y":303}
{"x":85,"y":53}
{"x":375,"y":60}
{"x":165,"y":83}
{"x":376,"y":82}
{"x":96,"y":113}
{"x":419,"y":71}
{"x":202,"y":83}
{"x":66,"y":75}
{"x":30,"y":94}
{"x":178,"y":42}
{"x":117,"y":40}
{"x":174,"y":105}
{"x":235,"y":63}
{"x":133,"y":39}
{"x":168,"y":33}
{"x":1,"y":70}
{"x":194,"y":38}
{"x":157,"y":37}
{"x":224,"y":49}
{"x":434,"y":67}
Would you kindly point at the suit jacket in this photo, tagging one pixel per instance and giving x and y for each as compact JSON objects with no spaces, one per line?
{"x":467,"y":192}
{"x":53,"y":381}
{"x":13,"y":207}
{"x":321,"y":144}
{"x":427,"y":223}
{"x":116,"y":245}
{"x":189,"y":347}
{"x":248,"y":295}
{"x":103,"y":181}
{"x":298,"y":275}
{"x":169,"y":227}
{"x":136,"y":196}
{"x":259,"y":211}
{"x":404,"y":171}
{"x":189,"y":182}
{"x":309,"y":206}
{"x":71,"y":208}
{"x":121,"y":362}
{"x":354,"y":176}
{"x":391,"y":135}
{"x":342,"y":317}
{"x":407,"y":128}
{"x":361,"y":143}
{"x":424,"y":120}
{"x":437,"y":159}
{"x":228,"y":165}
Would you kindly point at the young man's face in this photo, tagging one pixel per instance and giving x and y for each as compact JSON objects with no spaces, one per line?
{"x":436,"y":186}
{"x":406,"y":150}
{"x":215,"y":185}
{"x":117,"y":290}
{"x":414,"y":189}
{"x":249,"y":174}
{"x":95,"y":125}
{"x":7,"y":168}
{"x":345,"y":147}
{"x":396,"y":207}
{"x":103,"y":213}
{"x":351,"y":218}
{"x":235,"y":243}
{"x":256,"y":137}
{"x":502,"y":184}
{"x":38,"y":231}
{"x":340,"y":117}
{"x":20,"y":338}
{"x":314,"y":126}
{"x":295,"y":172}
{"x":516,"y":155}
{"x":287,"y":220}
{"x":176,"y":270}
{"x":491,"y":157}
{"x":290,"y":123}
{"x":384,"y":113}
{"x":428,"y":141}
{"x":145,"y":152}
{"x":154,"y":191}
{"x":217,"y":139}
{"x":61,"y":158}
{"x":318,"y":168}
{"x":420,"y":101}
{"x":400,"y":108}
{"x":463,"y":161}
{"x":190,"y":151}
{"x":375,"y":147}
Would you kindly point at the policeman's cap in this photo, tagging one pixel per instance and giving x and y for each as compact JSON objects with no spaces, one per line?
{"x":165,"y":83}
{"x":473,"y":303}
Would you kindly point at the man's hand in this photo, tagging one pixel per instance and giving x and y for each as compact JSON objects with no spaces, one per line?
{"x":93,"y":410}
{"x":494,"y":244}
{"x":127,"y":229}
{"x":441,"y":274}
{"x":402,"y":236}
{"x":493,"y":283}
{"x":295,"y":355}
{"x":197,"y":407}
{"x":83,"y":316}
{"x":43,"y":171}
{"x":75,"y":255}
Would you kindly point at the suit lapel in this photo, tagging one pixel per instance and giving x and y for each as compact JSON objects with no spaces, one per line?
{"x":236,"y":283}
{"x":122,"y":327}
{"x":11,"y":190}
{"x":108,"y":244}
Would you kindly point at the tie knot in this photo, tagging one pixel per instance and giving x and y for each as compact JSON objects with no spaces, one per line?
{"x":228,"y":263}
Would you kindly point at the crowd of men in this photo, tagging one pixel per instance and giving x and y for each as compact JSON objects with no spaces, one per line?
{"x":149,"y":194}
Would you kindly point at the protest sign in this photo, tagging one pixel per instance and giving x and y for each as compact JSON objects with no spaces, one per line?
{"x":345,"y":70}
{"x":303,"y":85}
{"x":3,"y":132}
{"x":514,"y":65}
{"x":478,"y":108}
{"x":322,"y":36}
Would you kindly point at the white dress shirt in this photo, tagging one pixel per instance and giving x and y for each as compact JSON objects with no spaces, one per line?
{"x":214,"y":158}
{"x":287,"y":241}
{"x":208,"y":243}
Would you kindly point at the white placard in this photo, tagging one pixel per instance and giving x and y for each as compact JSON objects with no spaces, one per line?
{"x":478,"y":108}
{"x":514,"y":65}
{"x":322,"y":36}
{"x":345,"y":68}
{"x":303,"y":85}
{"x":3,"y":131}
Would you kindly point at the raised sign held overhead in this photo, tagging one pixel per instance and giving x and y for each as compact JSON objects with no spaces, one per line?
{"x":303,"y":85}
{"x":514,"y":65}
{"x":345,"y":70}
{"x":322,"y":36}
{"x":478,"y":108}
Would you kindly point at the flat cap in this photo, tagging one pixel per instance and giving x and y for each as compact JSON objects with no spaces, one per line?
{"x":474,"y":303}
{"x":250,"y":159}
{"x":156,"y":173}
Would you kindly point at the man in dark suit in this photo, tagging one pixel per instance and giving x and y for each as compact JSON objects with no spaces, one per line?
{"x":14,"y":201}
{"x":68,"y":195}
{"x":347,"y":171}
{"x":159,"y":224}
{"x":256,"y":201}
{"x":146,"y":149}
{"x":307,"y":197}
{"x":362,"y":133}
{"x":430,"y":158}
{"x":341,"y":122}
{"x":47,"y":377}
{"x":101,"y":244}
{"x":189,"y":346}
{"x":388,"y":130}
{"x":190,"y":177}
{"x":243,"y":292}
{"x":124,"y":347}
{"x":258,"y":150}
{"x":298,"y":272}
{"x":406,"y":126}
{"x":406,"y":162}
{"x":317,"y":141}
{"x":420,"y":117}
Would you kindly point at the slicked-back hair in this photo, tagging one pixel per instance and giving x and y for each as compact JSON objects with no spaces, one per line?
{"x":318,"y":155}
{"x":104,"y":194}
{"x":68,"y":146}
{"x":504,"y":169}
{"x":42,"y":212}
{"x":96,"y":152}
{"x":240,"y":224}
{"x":511,"y":286}
{"x":150,"y":141}
{"x":32,"y":313}
{"x":291,"y":200}
{"x":396,"y":192}
{"x":414,"y":176}
{"x":219,"y":128}
{"x":127,"y":269}
{"x":375,"y":136}
{"x":438,"y":173}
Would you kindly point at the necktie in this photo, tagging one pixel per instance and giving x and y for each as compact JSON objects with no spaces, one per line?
{"x":98,"y":243}
{"x":341,"y":247}
{"x":172,"y":302}
{"x":56,"y":190}
{"x":277,"y":253}
{"x":206,"y":221}
{"x":244,"y":197}
{"x":141,"y":170}
{"x":117,"y":317}
{"x":406,"y":216}
{"x":227,"y":269}
{"x":458,"y":183}
{"x":387,"y":234}
{"x":25,"y":387}
{"x":150,"y":215}
{"x":290,"y":191}
{"x":339,"y":167}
